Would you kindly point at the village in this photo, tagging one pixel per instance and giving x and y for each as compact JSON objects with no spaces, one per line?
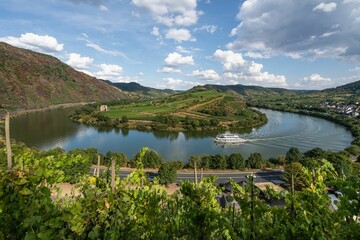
{"x":349,"y":109}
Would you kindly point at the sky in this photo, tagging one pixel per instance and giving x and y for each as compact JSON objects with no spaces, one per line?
{"x":178,"y":44}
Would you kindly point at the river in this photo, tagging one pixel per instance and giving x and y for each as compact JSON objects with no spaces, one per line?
{"x":50,"y":129}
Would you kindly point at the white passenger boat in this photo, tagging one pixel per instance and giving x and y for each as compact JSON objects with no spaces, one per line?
{"x":229,"y":138}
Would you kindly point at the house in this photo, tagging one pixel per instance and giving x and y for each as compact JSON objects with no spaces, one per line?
{"x":104,"y":108}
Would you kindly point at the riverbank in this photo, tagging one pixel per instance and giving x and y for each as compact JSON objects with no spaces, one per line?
{"x":52,"y":107}
{"x":350,"y":123}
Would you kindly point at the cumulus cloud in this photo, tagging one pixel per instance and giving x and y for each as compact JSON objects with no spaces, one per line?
{"x":238,"y":70}
{"x":180,"y":12}
{"x":325,"y":7}
{"x":208,"y":28}
{"x":110,"y":72}
{"x":179,"y":35}
{"x":208,"y":75}
{"x":175,"y":59}
{"x":307,"y":31}
{"x":314,"y":81}
{"x":178,"y":84}
{"x":316,"y":78}
{"x":169,"y":70}
{"x":79,"y":63}
{"x":39,"y":43}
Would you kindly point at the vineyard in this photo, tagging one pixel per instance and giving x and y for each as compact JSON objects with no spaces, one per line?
{"x":107,"y":207}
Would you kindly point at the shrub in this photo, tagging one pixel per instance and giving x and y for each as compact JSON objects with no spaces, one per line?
{"x":167,"y":173}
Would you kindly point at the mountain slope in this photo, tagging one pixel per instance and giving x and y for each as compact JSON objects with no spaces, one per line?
{"x":254,"y":91}
{"x":350,"y":88}
{"x":142,"y":91}
{"x":31,"y":80}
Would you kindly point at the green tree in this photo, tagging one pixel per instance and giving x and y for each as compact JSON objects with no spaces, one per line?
{"x":293,"y":155}
{"x":120,"y":159}
{"x":315,"y":153}
{"x":206,"y":161}
{"x":151,"y":159}
{"x":195,"y":159}
{"x":255,"y":161}
{"x":294,"y":172}
{"x":167,"y":173}
{"x":236,"y":161}
{"x":124,"y":119}
{"x":341,"y":163}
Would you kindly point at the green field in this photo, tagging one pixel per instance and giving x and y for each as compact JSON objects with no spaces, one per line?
{"x":197,"y":109}
{"x":180,"y":105}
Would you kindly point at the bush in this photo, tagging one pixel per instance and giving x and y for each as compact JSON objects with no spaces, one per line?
{"x":167,"y":173}
{"x":151,"y":159}
{"x":254,"y":161}
{"x":236,"y":161}
{"x":120,"y":159}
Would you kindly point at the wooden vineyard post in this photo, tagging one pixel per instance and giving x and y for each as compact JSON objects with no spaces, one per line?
{"x":8,"y":143}
{"x":98,"y":166}
{"x":195,"y":173}
{"x":113,"y":175}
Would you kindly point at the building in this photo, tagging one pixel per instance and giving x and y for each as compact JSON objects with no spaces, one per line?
{"x":104,"y":108}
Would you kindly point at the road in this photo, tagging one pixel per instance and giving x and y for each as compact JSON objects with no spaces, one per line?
{"x":223,"y":177}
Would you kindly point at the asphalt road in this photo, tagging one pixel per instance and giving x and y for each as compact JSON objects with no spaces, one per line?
{"x":223,"y":177}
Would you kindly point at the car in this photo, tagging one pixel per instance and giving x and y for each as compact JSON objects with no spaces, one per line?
{"x":338,"y":193}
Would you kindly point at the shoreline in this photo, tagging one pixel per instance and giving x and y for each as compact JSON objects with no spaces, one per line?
{"x":51,"y":107}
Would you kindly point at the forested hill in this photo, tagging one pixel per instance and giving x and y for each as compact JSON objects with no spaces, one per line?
{"x":142,"y":91}
{"x":254,"y":91}
{"x":350,"y":88}
{"x":31,"y":80}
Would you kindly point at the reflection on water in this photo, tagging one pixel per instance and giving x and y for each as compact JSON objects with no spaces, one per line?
{"x":51,"y":129}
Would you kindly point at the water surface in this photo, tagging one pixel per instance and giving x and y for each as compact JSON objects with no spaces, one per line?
{"x":49,"y":129}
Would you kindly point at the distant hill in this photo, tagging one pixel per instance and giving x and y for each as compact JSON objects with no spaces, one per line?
{"x":253,"y":91}
{"x":142,"y":91}
{"x":350,"y":88}
{"x":31,"y":80}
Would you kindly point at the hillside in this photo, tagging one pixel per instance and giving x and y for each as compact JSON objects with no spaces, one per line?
{"x":196,"y":109}
{"x":31,"y":80}
{"x":254,"y":91}
{"x":350,"y":88}
{"x":142,"y":91}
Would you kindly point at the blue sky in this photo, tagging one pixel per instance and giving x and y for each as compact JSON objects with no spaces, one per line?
{"x":177,"y":44}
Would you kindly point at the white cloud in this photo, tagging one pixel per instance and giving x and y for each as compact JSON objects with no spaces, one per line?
{"x":110,"y":72}
{"x":169,"y":70}
{"x":305,"y":33}
{"x":238,"y":70}
{"x":316,"y":78}
{"x":182,"y":49}
{"x":188,"y":18}
{"x":109,"y":52}
{"x":208,"y":28}
{"x":155,"y":31}
{"x":100,"y":49}
{"x":209,"y":75}
{"x":325,"y":7}
{"x":179,"y":35}
{"x":315,"y":81}
{"x":39,"y":43}
{"x":103,"y":8}
{"x":256,"y":55}
{"x":79,"y":63}
{"x":178,"y":84}
{"x":179,"y":12}
{"x":175,"y":59}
